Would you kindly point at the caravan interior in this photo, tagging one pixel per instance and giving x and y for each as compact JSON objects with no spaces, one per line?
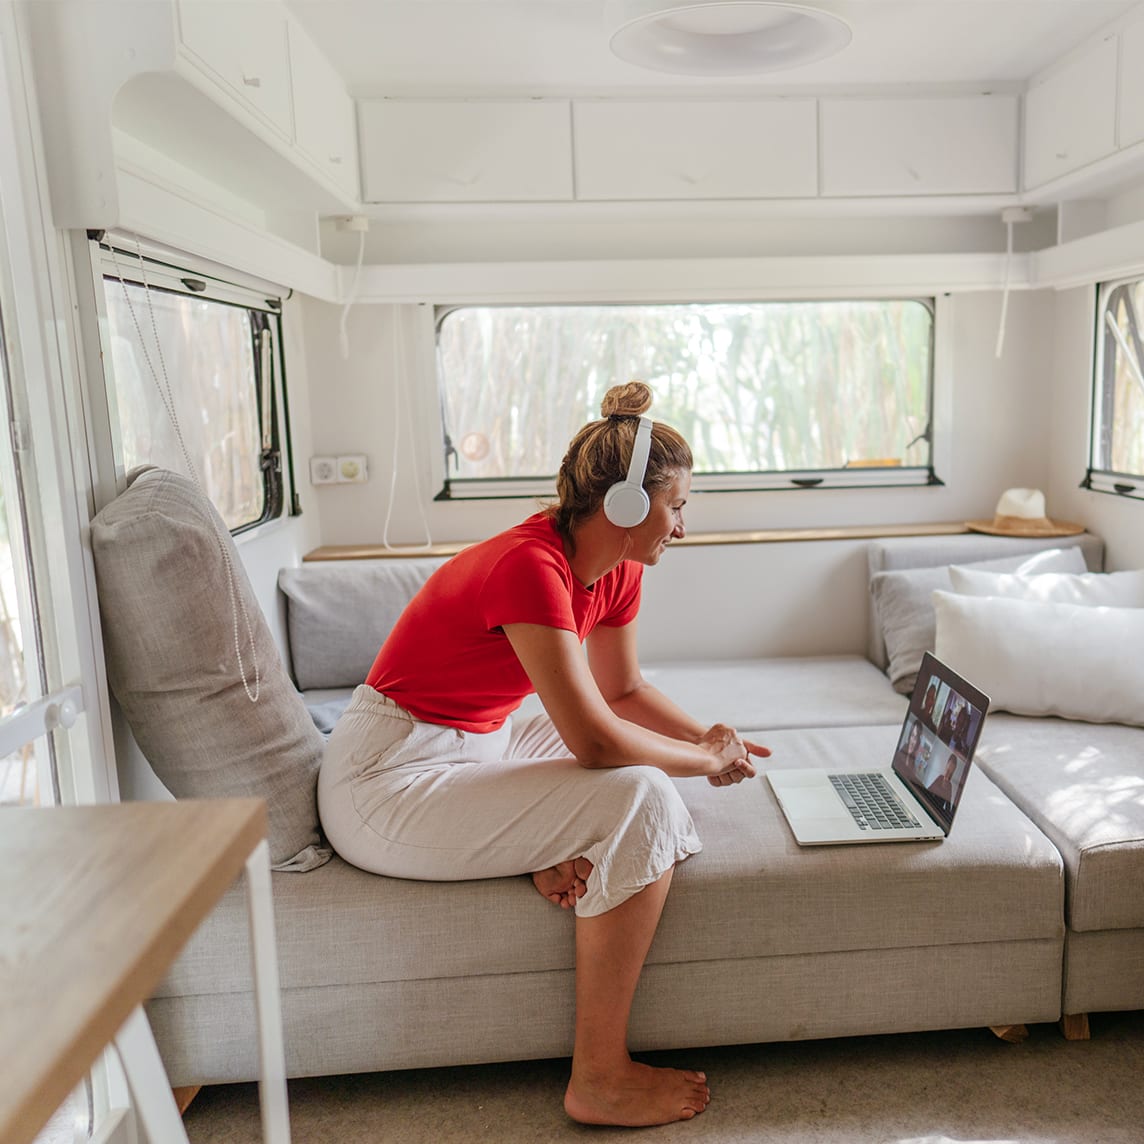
{"x":347,"y":275}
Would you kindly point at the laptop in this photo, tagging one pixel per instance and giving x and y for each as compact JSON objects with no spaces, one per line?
{"x":913,"y":799}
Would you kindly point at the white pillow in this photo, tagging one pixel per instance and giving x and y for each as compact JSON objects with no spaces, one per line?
{"x":905,"y":612}
{"x":1070,"y":660}
{"x":1091,"y":589}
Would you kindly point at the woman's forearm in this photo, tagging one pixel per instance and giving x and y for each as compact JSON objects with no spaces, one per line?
{"x":647,"y":706}
{"x":622,"y":743}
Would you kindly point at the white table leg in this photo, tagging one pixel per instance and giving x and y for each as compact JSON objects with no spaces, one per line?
{"x":272,"y":1086}
{"x":148,"y":1081}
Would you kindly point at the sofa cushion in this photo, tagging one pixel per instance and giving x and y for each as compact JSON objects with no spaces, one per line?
{"x":176,"y":606}
{"x":904,"y":606}
{"x":338,"y":614}
{"x":805,"y":691}
{"x":751,"y":892}
{"x":897,"y":553}
{"x":749,"y":694}
{"x":1083,"y":785}
{"x":1046,"y":659}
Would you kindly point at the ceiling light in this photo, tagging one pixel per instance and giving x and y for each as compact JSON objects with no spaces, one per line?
{"x":722,"y":37}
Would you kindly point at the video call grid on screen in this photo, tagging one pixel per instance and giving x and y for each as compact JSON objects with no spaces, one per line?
{"x":939,"y":736}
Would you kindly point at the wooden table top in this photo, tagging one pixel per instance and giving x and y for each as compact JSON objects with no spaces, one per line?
{"x":95,"y":904}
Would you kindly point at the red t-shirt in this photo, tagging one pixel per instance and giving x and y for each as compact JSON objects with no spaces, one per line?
{"x":447,"y":659}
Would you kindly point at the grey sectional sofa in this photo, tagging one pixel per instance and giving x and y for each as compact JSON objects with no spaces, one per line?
{"x":1030,"y":909}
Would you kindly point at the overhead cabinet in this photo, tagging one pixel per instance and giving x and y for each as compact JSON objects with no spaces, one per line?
{"x":243,"y":44}
{"x":1070,"y":115}
{"x":252,"y":56}
{"x":442,"y":151}
{"x":695,"y":150}
{"x":1132,"y":84}
{"x":944,"y":146}
{"x":325,"y":127}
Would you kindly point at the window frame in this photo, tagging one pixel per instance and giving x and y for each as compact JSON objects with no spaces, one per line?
{"x":455,"y":488}
{"x":1097,"y":478}
{"x":187,"y":276}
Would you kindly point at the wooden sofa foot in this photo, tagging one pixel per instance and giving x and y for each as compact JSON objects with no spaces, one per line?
{"x":1014,"y":1034}
{"x":1074,"y":1026}
{"x":184,"y":1096}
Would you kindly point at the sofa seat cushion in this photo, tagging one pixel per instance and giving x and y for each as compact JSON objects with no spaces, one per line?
{"x":1083,"y":785}
{"x":752,"y":892}
{"x":806,"y":691}
{"x":750,"y":694}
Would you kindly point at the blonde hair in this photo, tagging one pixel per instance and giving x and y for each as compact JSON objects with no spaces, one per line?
{"x":599,"y":454}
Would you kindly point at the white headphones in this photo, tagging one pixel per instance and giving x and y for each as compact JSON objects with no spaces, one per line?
{"x":626,"y":504}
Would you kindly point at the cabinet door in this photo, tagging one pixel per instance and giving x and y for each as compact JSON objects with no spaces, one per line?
{"x":324,"y":124}
{"x":1132,"y":84}
{"x":737,"y":149}
{"x":439,"y":151}
{"x":242,"y":43}
{"x":946,"y":146}
{"x":1070,"y":115}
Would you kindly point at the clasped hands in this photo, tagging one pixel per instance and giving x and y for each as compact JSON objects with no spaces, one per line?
{"x":732,"y":754}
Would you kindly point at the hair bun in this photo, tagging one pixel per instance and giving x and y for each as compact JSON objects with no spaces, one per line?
{"x":628,"y":400}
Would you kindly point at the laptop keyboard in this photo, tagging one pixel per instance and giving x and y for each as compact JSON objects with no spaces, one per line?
{"x":872,"y":802}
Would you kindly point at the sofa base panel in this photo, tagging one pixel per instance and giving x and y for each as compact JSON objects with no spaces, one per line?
{"x":1104,"y":971}
{"x":209,"y":1039}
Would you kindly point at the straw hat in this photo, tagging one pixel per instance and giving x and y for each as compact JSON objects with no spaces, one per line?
{"x":1021,"y":512}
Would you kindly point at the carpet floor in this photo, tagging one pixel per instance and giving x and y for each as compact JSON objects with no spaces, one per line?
{"x":919,"y":1088}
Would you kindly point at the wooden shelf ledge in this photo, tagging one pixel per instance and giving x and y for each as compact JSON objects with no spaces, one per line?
{"x":693,"y":539}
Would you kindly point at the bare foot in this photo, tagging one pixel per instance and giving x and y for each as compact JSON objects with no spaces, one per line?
{"x":636,"y":1096}
{"x":564,"y":883}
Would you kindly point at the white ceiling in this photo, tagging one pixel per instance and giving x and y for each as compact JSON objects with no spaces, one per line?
{"x":541,"y":47}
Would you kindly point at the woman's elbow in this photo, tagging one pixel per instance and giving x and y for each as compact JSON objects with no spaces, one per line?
{"x":596,"y":753}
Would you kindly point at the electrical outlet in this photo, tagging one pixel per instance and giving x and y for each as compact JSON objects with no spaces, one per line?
{"x":323,"y":470}
{"x":352,"y":469}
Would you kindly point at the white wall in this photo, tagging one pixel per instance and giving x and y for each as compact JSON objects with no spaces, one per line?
{"x":999,"y":422}
{"x":788,"y":598}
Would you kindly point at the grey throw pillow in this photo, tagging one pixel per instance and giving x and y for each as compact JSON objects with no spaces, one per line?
{"x":903,"y":604}
{"x":165,"y":598}
{"x":340,"y":612}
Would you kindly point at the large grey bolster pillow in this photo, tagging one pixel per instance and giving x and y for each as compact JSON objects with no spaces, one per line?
{"x":165,"y":599}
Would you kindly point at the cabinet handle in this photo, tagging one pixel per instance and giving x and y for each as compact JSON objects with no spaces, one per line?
{"x":336,"y":160}
{"x":1062,"y":154}
{"x":252,"y":80}
{"x":463,"y":180}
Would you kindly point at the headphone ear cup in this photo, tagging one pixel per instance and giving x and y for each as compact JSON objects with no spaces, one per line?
{"x":626,"y":504}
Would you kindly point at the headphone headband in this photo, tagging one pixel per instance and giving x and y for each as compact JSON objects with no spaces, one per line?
{"x":641,"y":450}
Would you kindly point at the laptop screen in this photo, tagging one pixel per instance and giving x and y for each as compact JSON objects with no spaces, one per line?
{"x":938,"y":738}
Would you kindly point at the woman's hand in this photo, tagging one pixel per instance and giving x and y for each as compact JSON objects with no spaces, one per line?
{"x":731,"y":755}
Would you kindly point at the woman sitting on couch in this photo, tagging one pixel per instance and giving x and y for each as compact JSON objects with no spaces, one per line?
{"x":427,"y":775}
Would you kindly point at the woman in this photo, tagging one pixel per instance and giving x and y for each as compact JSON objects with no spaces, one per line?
{"x":427,"y":776}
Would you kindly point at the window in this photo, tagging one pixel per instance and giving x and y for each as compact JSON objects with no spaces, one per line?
{"x":1116,"y":459}
{"x":194,"y":381}
{"x":768,"y":394}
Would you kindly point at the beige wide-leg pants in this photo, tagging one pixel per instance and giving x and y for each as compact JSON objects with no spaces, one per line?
{"x":419,"y":800}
